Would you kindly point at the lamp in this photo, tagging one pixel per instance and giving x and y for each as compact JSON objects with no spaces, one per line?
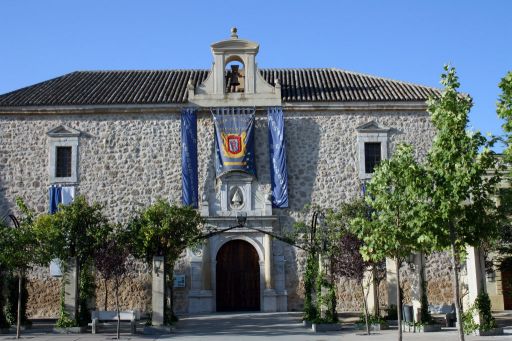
{"x":158,"y":262}
{"x":241,"y":218}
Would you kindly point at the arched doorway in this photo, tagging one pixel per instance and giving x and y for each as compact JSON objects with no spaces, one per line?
{"x":238,"y":277}
{"x":506,"y":283}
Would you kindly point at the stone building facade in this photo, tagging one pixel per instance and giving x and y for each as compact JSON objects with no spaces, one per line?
{"x":123,"y":131}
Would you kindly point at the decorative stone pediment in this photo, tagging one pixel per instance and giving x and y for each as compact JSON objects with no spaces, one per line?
{"x":235,"y":44}
{"x":242,"y":85}
{"x":372,"y":127}
{"x":371,"y":132}
{"x":63,"y":131}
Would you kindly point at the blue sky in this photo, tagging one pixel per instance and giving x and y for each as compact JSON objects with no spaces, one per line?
{"x":403,"y":40}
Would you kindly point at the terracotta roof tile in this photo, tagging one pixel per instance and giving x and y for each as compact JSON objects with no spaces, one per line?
{"x":170,"y":87}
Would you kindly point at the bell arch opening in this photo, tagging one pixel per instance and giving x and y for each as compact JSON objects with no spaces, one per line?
{"x":234,"y":74}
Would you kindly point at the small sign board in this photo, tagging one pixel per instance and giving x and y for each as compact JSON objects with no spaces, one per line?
{"x":55,"y":268}
{"x":179,"y":281}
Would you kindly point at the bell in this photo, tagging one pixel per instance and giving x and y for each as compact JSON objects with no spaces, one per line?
{"x":234,"y":75}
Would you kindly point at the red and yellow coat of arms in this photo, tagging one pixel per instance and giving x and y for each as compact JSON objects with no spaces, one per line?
{"x":233,"y":145}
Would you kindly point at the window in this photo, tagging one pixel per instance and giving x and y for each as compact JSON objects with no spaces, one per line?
{"x":372,"y":156}
{"x":63,"y":143}
{"x":63,"y":162}
{"x":372,"y":146}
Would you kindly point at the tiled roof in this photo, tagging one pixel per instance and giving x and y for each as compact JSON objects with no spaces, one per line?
{"x":170,"y":87}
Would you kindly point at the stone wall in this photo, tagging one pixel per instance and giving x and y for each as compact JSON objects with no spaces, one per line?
{"x":438,"y":272}
{"x":43,"y":293}
{"x":126,"y":161}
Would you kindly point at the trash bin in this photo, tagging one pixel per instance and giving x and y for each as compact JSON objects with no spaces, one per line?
{"x":408,"y":313}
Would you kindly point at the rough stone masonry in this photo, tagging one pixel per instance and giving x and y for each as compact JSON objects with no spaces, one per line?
{"x":128,"y":160}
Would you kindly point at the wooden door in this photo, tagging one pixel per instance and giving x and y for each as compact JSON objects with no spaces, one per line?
{"x":506,"y":283}
{"x":238,"y":277}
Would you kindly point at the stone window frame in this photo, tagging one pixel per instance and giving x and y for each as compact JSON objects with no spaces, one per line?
{"x":63,"y":136}
{"x":371,"y":132}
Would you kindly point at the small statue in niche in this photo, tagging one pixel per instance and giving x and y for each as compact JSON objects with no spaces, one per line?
{"x":237,"y":199}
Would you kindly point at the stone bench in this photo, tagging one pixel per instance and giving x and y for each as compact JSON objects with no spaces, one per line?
{"x":444,"y":312}
{"x":98,"y":316}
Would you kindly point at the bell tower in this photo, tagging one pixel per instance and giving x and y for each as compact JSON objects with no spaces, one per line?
{"x":234,"y":79}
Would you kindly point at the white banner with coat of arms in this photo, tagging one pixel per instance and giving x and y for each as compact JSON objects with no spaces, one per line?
{"x":234,"y":140}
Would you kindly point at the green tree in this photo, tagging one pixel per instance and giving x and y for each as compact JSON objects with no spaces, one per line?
{"x":504,"y":110}
{"x":74,"y":232}
{"x":308,"y":237}
{"x":112,"y":261}
{"x":344,"y":255}
{"x":461,"y":185}
{"x":19,"y":253}
{"x":396,"y":228}
{"x":3,"y":272}
{"x":165,"y":230}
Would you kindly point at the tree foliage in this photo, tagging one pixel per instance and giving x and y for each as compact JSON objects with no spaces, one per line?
{"x":19,"y":245}
{"x":312,"y":235}
{"x":397,"y":225}
{"x":462,"y":172}
{"x":504,"y":110}
{"x":112,"y":261}
{"x":19,"y":253}
{"x":74,"y":231}
{"x":349,"y":262}
{"x":460,"y":168}
{"x":165,"y":230}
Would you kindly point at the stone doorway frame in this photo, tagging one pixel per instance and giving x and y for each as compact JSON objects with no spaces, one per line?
{"x":215,"y":248}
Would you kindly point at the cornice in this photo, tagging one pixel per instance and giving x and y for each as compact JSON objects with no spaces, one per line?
{"x":176,"y":108}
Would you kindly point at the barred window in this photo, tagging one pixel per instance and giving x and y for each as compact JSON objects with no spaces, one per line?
{"x":372,"y":156}
{"x":63,"y":162}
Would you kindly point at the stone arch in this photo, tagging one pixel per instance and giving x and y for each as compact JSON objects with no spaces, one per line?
{"x":233,"y":58}
{"x":226,"y":239}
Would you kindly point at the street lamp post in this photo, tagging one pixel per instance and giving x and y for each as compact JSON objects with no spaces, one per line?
{"x":16,"y":225}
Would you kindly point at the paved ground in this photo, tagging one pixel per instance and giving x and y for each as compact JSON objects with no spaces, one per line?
{"x":254,"y":326}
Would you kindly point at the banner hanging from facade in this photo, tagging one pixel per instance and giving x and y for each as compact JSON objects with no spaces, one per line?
{"x":278,"y":171}
{"x":189,"y":176}
{"x":234,"y":140}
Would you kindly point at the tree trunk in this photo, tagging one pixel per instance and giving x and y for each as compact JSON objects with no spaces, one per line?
{"x":77,"y":284}
{"x":365,"y":305}
{"x":18,"y":315}
{"x":398,"y":299}
{"x":106,"y":295}
{"x":171,"y":298}
{"x":334,"y":301}
{"x":456,"y":285}
{"x":117,"y":308}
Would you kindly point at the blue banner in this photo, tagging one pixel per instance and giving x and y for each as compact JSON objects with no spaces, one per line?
{"x":234,"y":140}
{"x":278,"y":171}
{"x":55,"y":199}
{"x":189,"y":177}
